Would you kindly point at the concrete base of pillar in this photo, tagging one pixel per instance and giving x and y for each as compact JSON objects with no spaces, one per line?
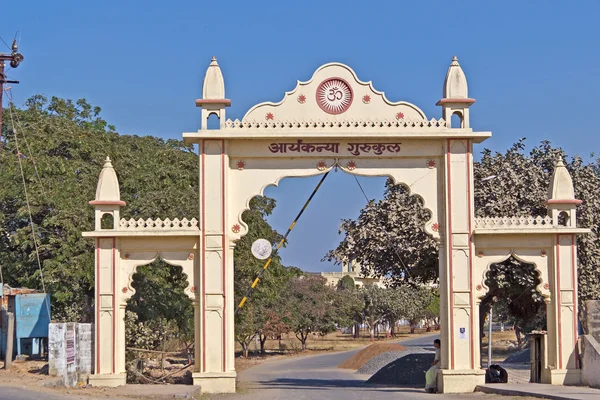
{"x":563,"y":376}
{"x":460,"y":381}
{"x":108,"y":380}
{"x":215,"y":382}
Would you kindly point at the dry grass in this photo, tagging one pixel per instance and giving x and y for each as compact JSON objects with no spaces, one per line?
{"x":363,"y":356}
{"x":503,"y":344}
{"x":336,"y":341}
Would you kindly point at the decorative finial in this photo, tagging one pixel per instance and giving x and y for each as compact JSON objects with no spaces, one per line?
{"x":107,"y":163}
{"x":213,"y":61}
{"x":559,"y":161}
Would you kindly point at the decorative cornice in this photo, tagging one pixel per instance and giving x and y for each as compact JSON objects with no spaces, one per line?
{"x":158,"y":224}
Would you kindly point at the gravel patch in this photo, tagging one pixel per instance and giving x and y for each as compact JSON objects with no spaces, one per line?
{"x":522,"y":356}
{"x":408,"y":369}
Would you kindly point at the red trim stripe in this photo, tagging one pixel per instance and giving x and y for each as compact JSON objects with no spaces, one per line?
{"x":114,"y":303}
{"x":558,"y":303}
{"x":575,"y":286}
{"x":224,"y":279}
{"x":449,"y":260}
{"x":203,"y":259}
{"x":97,"y":305}
{"x":470,"y":252}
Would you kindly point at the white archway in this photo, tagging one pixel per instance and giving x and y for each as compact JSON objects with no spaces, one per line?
{"x":334,"y":120}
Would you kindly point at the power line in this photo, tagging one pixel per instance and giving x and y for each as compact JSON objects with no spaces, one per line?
{"x":3,"y":41}
{"x":385,"y":232}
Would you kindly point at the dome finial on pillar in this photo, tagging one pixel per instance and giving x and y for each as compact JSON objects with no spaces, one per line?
{"x":108,"y":195}
{"x":561,"y":196}
{"x":455,"y":98}
{"x":213,"y":94}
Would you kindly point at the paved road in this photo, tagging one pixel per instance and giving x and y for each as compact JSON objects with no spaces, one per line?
{"x":317,"y":377}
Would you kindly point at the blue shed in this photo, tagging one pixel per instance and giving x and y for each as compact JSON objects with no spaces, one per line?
{"x":32,"y":316}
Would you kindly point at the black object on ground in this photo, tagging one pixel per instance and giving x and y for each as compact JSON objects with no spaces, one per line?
{"x":408,"y":370}
{"x":496,"y":374}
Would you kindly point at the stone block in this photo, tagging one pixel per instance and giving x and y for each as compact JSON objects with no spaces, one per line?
{"x":591,"y":318}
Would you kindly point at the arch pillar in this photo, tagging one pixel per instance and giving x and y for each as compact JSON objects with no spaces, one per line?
{"x":460,"y":370}
{"x":563,"y":364}
{"x":216,"y":369}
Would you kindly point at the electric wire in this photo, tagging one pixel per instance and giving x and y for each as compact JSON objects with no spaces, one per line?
{"x":22,"y":131}
{"x":32,"y":224}
{"x":5,"y":43}
{"x":385,"y":232}
{"x":251,"y":288}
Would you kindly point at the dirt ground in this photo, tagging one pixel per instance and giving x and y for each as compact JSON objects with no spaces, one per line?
{"x":504,"y":343}
{"x":363,"y":356}
{"x":33,"y":374}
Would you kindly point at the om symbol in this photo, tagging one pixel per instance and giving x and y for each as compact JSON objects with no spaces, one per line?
{"x":335,"y":94}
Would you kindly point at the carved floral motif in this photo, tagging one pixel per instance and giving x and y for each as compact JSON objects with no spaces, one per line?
{"x":400,"y":115}
{"x":240,"y":165}
{"x":366,"y":99}
{"x":351,"y":166}
{"x":430,"y":164}
{"x":321,"y":165}
{"x":236,"y":228}
{"x":270,"y":116}
{"x":435,"y":227}
{"x":302,"y":99}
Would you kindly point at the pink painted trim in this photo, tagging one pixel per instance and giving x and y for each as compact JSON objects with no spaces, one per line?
{"x":114,"y":298}
{"x":566,"y":201}
{"x":449,"y":258}
{"x":201,"y":102}
{"x":97,"y":285}
{"x":558,"y":302}
{"x":224,"y":280}
{"x":107,"y":203}
{"x":470,"y":252}
{"x":203,"y":260}
{"x":455,"y":101}
{"x":575,"y":288}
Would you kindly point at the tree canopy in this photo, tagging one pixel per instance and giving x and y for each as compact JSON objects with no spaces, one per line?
{"x":388,"y":238}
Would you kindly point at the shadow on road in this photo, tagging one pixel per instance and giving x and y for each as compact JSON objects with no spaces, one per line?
{"x":319,"y":384}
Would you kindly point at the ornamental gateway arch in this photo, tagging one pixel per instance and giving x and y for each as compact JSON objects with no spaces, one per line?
{"x":335,"y":120}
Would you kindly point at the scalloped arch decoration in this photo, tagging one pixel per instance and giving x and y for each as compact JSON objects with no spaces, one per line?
{"x":420,"y":181}
{"x":141,"y":258}
{"x":484,"y":263}
{"x":334,"y":103}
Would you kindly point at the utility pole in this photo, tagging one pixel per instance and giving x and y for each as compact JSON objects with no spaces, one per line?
{"x":15,"y":59}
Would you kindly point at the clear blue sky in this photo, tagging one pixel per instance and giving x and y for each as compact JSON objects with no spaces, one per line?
{"x":531,"y":65}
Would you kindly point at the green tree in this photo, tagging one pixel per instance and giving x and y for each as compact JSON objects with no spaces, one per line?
{"x":519,"y":188}
{"x":61,"y":148}
{"x":310,"y":302}
{"x":346,"y":283}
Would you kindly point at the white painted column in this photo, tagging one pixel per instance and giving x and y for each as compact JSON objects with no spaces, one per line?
{"x":216,"y":372}
{"x":562,"y":313}
{"x":109,"y":357}
{"x":460,"y":355}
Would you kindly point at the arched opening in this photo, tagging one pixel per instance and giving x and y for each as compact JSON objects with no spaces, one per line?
{"x":159,"y":326}
{"x":456,"y":120}
{"x":107,"y":221}
{"x":403,"y":217}
{"x":517,"y":308}
{"x":213,"y":121}
{"x":563,"y":218}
